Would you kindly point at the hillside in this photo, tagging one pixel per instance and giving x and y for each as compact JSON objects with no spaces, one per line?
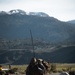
{"x":72,"y":21}
{"x":56,"y":55}
{"x":53,"y":40}
{"x":17,"y":26}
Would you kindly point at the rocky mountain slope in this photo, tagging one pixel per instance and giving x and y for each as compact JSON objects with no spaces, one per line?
{"x":72,"y":21}
{"x":18,"y":25}
{"x":53,"y":40}
{"x":22,"y":56}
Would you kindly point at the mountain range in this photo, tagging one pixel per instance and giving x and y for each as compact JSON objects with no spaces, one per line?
{"x":18,"y":25}
{"x":49,"y":35}
{"x":71,"y":21}
{"x":21,"y":12}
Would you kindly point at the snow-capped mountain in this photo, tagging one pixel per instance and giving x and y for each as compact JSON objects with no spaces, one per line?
{"x":41,"y":14}
{"x":18,"y":11}
{"x":21,"y":12}
{"x":3,"y":12}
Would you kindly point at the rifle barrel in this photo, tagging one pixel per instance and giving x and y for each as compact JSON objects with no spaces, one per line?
{"x":32,"y":42}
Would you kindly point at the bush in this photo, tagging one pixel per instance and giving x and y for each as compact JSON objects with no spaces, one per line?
{"x":12,"y":71}
{"x":53,"y":68}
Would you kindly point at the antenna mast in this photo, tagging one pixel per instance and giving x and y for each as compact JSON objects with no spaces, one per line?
{"x":32,"y":43}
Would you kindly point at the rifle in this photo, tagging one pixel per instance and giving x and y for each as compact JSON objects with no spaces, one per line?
{"x":32,"y":43}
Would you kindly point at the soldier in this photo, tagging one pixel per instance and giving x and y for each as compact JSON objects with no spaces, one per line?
{"x":30,"y":68}
{"x":37,"y":67}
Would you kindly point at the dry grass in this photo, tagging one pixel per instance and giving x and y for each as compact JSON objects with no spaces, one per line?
{"x":59,"y":67}
{"x":65,"y":67}
{"x":21,"y":68}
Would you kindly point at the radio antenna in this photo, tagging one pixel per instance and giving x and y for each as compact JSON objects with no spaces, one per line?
{"x":32,"y":43}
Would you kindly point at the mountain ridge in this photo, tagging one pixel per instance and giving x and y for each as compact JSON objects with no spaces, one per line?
{"x":15,"y":44}
{"x":18,"y":26}
{"x":22,"y":12}
{"x":71,"y":21}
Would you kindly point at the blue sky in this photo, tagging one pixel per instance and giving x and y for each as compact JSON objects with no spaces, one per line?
{"x":63,"y":10}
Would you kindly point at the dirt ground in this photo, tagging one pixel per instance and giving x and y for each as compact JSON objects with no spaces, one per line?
{"x":46,"y":74}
